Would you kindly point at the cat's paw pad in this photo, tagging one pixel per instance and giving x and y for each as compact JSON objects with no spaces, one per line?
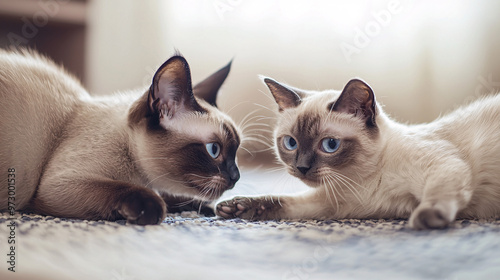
{"x":143,"y":207}
{"x":428,"y":218}
{"x":245,"y":208}
{"x":226,"y":209}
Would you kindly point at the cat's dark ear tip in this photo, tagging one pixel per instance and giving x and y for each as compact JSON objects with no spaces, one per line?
{"x":358,"y":81}
{"x":227,"y":68}
{"x":177,"y":52}
{"x":266,"y":80}
{"x":230,"y":63}
{"x":176,"y":56}
{"x":181,"y":58}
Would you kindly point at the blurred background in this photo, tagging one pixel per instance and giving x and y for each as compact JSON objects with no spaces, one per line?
{"x":422,"y":58}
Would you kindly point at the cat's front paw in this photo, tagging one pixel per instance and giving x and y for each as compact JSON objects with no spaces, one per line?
{"x":428,"y":218}
{"x":143,"y":207}
{"x":250,"y":208}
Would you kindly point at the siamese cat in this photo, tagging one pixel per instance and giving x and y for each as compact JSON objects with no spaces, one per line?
{"x":362,"y":164}
{"x":74,"y":155}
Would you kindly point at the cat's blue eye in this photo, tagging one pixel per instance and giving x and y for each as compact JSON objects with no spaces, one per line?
{"x":213,"y":149}
{"x":330,"y":145}
{"x":290,"y":143}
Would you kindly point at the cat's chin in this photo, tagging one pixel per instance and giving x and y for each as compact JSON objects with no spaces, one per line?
{"x":311,"y":183}
{"x":210,"y":189}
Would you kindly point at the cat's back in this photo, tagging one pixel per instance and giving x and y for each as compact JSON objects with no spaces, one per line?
{"x":37,"y":98}
{"x":27,"y":74}
{"x":473,"y":125}
{"x":475,"y":130}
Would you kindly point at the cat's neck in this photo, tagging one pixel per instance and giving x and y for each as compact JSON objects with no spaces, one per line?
{"x":400,"y":147}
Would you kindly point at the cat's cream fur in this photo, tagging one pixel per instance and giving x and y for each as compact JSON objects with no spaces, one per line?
{"x":430,"y":173}
{"x":107,"y":157}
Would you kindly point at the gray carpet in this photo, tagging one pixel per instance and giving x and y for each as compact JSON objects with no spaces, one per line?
{"x":190,"y":246}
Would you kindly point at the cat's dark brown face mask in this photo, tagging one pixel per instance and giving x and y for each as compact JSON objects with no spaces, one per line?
{"x":322,"y":137}
{"x":187,"y":146}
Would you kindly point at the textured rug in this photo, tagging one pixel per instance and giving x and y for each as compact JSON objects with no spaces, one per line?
{"x":187,"y":246}
{"x":190,"y":246}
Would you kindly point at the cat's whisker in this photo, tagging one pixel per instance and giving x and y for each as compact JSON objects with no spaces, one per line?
{"x":337,"y":184}
{"x":261,"y":134}
{"x":150,"y":182}
{"x":279,"y":200}
{"x":324,"y":185}
{"x":199,"y":208}
{"x":258,"y":118}
{"x":200,"y":176}
{"x":210,"y":189}
{"x":258,"y":151}
{"x":264,"y":117}
{"x":251,"y":114}
{"x":184,"y":203}
{"x":207,"y":187}
{"x":247,"y":150}
{"x":351,"y":188}
{"x":345,"y":179}
{"x":264,"y":150}
{"x":351,"y":180}
{"x":257,"y":140}
{"x":261,"y":138}
{"x":250,"y":142}
{"x":284,"y":179}
{"x":238,"y":104}
{"x":331,"y":185}
{"x":255,"y":120}
{"x":258,"y":132}
{"x":255,"y":127}
{"x":198,"y":181}
{"x":271,"y":198}
{"x":247,"y":118}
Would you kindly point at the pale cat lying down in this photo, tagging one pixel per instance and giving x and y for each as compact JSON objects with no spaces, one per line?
{"x":74,"y":155}
{"x":362,"y":164}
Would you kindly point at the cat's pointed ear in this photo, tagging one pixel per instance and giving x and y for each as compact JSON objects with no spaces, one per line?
{"x":285,"y":97}
{"x":171,"y":93}
{"x":208,"y":88}
{"x":357,"y":98}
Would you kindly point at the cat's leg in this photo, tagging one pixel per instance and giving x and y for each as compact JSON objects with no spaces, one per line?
{"x":447,"y":191}
{"x":176,"y":204}
{"x":306,"y":205}
{"x":99,"y":199}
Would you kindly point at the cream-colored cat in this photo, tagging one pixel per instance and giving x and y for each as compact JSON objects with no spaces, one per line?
{"x":68,"y":154}
{"x":362,"y":164}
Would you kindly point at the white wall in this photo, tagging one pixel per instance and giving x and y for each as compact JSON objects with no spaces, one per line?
{"x":422,"y":57}
{"x":126,"y":41}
